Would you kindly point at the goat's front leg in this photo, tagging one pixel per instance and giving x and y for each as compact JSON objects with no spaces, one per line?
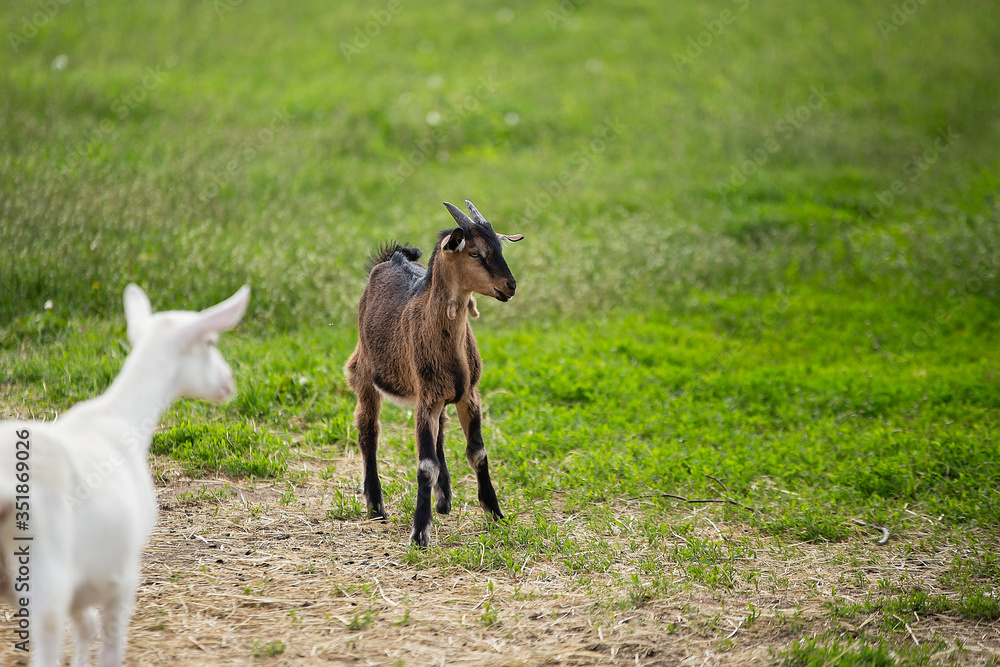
{"x":428,"y":420}
{"x":366,"y":419}
{"x":115,"y":619}
{"x":48,"y":620}
{"x":84,"y":623}
{"x":443,"y":487}
{"x":471,"y":416}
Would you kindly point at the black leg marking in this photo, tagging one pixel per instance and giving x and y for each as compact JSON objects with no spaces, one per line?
{"x":427,"y":471}
{"x":475,"y":450}
{"x":426,"y":474}
{"x":366,"y":419}
{"x":442,"y":490}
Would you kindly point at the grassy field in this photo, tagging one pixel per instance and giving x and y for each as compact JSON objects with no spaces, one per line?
{"x":760,"y":268}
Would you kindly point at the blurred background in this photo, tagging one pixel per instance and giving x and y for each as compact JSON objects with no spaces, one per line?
{"x":647,"y":152}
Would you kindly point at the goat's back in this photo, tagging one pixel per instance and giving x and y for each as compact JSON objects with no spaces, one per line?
{"x":391,"y":286}
{"x":31,"y":506}
{"x":90,"y":510}
{"x":383,"y":355}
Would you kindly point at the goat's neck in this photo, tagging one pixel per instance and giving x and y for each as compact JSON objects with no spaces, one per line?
{"x":138,"y":397}
{"x":448,"y":302}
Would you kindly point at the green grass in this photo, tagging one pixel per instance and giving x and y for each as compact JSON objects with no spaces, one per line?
{"x":199,"y":168}
{"x":235,"y":450}
{"x":771,"y":259}
{"x":816,"y":652}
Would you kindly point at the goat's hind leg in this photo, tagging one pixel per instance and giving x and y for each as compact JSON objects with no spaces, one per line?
{"x":48,"y":607}
{"x":471,"y":416}
{"x":362,"y":383}
{"x":366,"y":419}
{"x":442,"y":490}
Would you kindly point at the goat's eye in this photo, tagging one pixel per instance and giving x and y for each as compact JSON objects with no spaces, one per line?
{"x":474,"y":255}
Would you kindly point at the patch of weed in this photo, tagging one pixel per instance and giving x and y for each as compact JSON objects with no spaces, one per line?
{"x":818,"y":651}
{"x":268,"y":650}
{"x":232,"y":449}
{"x":363,"y":620}
{"x":346,"y":506}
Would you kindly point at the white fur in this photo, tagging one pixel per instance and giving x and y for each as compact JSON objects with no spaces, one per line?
{"x":397,"y":400}
{"x":92,"y":502}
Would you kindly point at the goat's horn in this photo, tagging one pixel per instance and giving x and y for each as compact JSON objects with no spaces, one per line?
{"x":476,"y":215}
{"x":461,"y":218}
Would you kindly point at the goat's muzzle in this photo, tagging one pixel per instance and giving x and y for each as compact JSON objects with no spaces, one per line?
{"x":503,"y":296}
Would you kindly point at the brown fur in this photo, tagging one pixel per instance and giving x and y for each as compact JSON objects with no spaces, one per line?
{"x":415,"y":344}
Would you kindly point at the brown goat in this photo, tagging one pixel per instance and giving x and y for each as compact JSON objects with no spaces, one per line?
{"x":415,"y":347}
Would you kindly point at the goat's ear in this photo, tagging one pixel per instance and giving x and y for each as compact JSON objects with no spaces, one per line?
{"x":512,"y":238}
{"x":220,"y":317}
{"x":137,"y":311}
{"x":455,"y":242}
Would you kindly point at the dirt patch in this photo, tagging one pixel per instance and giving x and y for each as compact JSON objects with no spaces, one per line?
{"x":232,"y":573}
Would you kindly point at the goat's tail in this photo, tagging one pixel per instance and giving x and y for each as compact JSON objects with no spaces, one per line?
{"x":383,"y":252}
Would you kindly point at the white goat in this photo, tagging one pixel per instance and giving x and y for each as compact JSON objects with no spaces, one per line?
{"x":76,"y":497}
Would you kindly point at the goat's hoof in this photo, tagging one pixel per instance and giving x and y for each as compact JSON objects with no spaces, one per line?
{"x":377,"y":514}
{"x":443,"y":505}
{"x":421,"y":538}
{"x":492,"y":511}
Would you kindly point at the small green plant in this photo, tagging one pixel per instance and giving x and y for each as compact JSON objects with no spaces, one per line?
{"x":339,"y":591}
{"x":346,"y":506}
{"x":288,"y":496}
{"x":255,"y":509}
{"x":491,"y":615}
{"x":269,"y":650}
{"x":363,"y":620}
